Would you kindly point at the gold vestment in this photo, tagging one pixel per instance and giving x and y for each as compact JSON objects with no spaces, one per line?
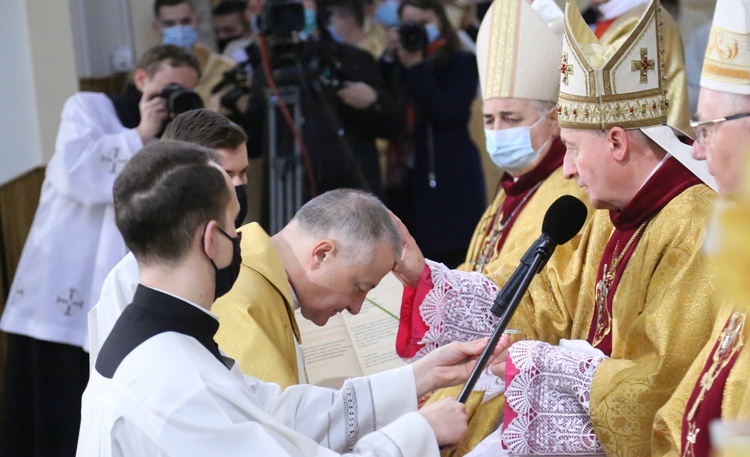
{"x":528,"y":227}
{"x":659,"y":314}
{"x":257,"y":326}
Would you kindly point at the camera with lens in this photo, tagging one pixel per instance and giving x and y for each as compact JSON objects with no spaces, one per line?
{"x":413,"y":36}
{"x":179,"y":100}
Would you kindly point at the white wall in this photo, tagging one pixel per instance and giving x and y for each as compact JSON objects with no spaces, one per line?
{"x":36,"y":48}
{"x":142,"y":14}
{"x":101,"y":29}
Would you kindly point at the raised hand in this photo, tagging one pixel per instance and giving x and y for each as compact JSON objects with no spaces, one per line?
{"x":409,"y":268}
{"x":153,"y":112}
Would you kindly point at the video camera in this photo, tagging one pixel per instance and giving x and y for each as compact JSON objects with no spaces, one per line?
{"x":293,"y":60}
{"x":179,"y":100}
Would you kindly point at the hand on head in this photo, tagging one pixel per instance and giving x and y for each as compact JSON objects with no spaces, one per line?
{"x":409,"y":268}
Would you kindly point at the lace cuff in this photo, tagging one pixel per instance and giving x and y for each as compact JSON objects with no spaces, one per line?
{"x":458,"y":308}
{"x":547,"y":400}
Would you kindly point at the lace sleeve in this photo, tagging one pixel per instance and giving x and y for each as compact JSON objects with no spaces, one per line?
{"x":547,"y":400}
{"x":457,"y":308}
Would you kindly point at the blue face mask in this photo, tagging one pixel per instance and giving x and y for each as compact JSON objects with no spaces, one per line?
{"x":387,"y":13}
{"x":433,"y":32}
{"x":510,"y":149}
{"x":180,"y":35}
{"x":310,"y":25}
{"x":336,"y":37}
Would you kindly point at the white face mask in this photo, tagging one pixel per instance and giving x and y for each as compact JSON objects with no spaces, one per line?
{"x":510,"y":149}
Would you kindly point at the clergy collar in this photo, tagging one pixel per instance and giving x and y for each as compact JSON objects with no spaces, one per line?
{"x":669,"y":179}
{"x":185,"y":300}
{"x":551,"y":162}
{"x":151,"y":313}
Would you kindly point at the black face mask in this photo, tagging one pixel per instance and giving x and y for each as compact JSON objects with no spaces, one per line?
{"x":226,"y":277}
{"x":241,"y":192}
{"x":222,"y":44}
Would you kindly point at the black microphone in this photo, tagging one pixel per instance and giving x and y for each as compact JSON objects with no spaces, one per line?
{"x":562,"y":222}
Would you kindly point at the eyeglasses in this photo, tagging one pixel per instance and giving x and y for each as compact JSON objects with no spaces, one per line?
{"x":704,"y":134}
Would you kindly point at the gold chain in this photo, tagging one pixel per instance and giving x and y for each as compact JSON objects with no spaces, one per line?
{"x":490,"y":243}
{"x":603,"y":317}
{"x":729,"y":344}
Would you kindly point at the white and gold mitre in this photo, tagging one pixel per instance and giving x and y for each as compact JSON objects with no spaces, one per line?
{"x":620,"y":85}
{"x":517,"y":53}
{"x":726,"y":67}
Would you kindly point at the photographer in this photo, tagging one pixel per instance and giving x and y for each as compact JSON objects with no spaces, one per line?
{"x":72,"y":245}
{"x":435,"y":171}
{"x":344,"y":106}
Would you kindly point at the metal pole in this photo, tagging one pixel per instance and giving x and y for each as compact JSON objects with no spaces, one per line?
{"x":284,"y":167}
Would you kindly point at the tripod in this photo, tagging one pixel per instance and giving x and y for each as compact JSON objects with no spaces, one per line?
{"x":285,"y":178}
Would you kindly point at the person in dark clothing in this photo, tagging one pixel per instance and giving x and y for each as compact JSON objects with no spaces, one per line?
{"x":344,"y":107}
{"x":442,"y":193}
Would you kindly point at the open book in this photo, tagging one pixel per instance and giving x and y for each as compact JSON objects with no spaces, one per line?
{"x":349,"y":346}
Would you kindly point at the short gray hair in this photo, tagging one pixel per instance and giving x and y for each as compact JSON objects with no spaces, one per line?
{"x":543,"y":106}
{"x":356,"y":219}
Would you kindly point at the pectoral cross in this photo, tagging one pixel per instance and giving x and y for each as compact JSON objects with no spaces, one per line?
{"x":565,"y":68}
{"x":602,"y":313}
{"x":643,"y":65}
{"x":691,"y":438}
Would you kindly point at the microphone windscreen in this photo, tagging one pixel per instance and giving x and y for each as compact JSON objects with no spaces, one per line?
{"x":564,"y":219}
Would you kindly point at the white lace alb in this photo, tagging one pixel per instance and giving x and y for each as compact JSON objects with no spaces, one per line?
{"x":550,"y":394}
{"x":458,"y":308}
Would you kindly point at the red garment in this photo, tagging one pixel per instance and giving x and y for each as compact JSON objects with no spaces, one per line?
{"x":709,"y":407}
{"x":411,"y":327}
{"x":669,"y":181}
{"x":603,"y":26}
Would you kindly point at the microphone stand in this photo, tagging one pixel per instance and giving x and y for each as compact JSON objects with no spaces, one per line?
{"x":532,"y":262}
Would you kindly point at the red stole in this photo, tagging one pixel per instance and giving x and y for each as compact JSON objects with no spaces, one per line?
{"x":602,"y":27}
{"x":669,"y":181}
{"x":704,"y":404}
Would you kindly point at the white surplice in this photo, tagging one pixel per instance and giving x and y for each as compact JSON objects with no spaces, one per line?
{"x":172,"y":397}
{"x":73,"y":242}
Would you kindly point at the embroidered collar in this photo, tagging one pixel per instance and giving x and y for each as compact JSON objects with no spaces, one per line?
{"x":667,"y":182}
{"x":551,"y":162}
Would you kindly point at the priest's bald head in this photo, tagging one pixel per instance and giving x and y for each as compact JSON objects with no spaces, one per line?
{"x":722,"y":124}
{"x":336,"y":249}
